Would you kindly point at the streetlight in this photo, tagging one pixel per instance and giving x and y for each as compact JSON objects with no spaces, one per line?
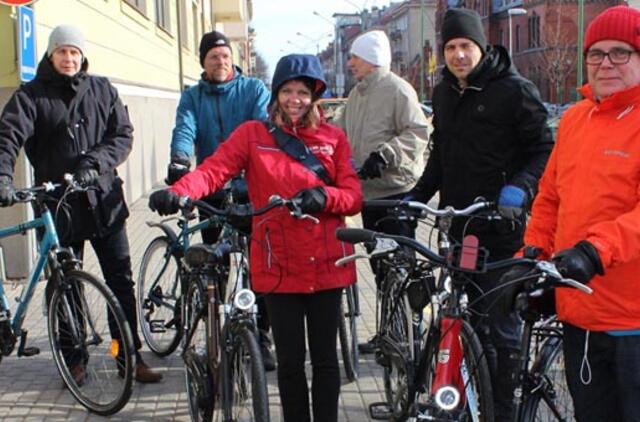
{"x":513,"y":12}
{"x":299,"y":47}
{"x":338,"y":76}
{"x":315,"y":41}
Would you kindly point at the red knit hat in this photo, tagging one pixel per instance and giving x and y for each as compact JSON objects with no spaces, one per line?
{"x":621,"y":23}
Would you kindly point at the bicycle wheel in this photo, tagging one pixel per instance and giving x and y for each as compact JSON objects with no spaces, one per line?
{"x":347,"y":333}
{"x":478,"y":395}
{"x":395,"y":347}
{"x":551,"y":401}
{"x":201,"y":393}
{"x":248,"y":400}
{"x":97,"y":371}
{"x":158,"y":297}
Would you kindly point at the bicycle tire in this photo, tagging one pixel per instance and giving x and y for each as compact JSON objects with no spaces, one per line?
{"x":158,"y":304}
{"x":347,"y":334}
{"x":98,"y":375}
{"x":200,"y":388}
{"x":246,"y":376}
{"x":555,"y":392}
{"x":478,"y":374}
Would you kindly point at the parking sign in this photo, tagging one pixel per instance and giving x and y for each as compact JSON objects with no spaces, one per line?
{"x":27,"y":40}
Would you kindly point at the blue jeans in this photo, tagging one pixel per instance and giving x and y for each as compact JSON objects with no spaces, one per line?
{"x":613,"y":393}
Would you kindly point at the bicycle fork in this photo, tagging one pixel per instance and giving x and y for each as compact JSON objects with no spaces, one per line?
{"x":449,"y":384}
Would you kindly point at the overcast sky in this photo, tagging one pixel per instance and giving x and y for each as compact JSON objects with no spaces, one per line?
{"x":278,"y":21}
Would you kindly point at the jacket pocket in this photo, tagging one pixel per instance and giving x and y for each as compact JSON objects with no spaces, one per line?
{"x":269,"y":243}
{"x":112,"y":206}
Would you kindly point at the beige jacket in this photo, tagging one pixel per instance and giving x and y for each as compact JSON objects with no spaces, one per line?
{"x":383,"y":114}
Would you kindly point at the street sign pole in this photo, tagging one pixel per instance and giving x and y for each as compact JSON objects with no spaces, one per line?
{"x":26,"y":43}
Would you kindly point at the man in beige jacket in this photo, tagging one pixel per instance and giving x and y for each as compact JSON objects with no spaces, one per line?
{"x":387,"y":130}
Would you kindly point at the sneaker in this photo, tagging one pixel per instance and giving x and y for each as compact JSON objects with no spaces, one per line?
{"x":369,"y":347}
{"x":267,"y":358}
{"x":78,"y":373}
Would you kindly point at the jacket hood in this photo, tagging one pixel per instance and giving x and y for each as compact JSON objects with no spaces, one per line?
{"x":496,"y":63}
{"x":296,"y":66}
{"x":219,"y":88}
{"x":46,"y":73}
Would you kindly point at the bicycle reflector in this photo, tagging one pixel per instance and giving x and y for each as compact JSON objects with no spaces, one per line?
{"x":115,"y":348}
{"x":244,"y":299}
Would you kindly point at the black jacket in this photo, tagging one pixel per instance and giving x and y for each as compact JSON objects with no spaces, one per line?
{"x":487,"y":135}
{"x":62,"y":122}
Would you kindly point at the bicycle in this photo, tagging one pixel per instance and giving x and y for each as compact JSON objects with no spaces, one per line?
{"x":347,"y":332}
{"x":97,"y":372}
{"x":223,"y":361}
{"x":160,"y":282}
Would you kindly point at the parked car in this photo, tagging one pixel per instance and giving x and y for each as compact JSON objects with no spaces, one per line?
{"x":332,"y":107}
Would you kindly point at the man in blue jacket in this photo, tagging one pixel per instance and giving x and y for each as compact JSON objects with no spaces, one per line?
{"x":207,"y":114}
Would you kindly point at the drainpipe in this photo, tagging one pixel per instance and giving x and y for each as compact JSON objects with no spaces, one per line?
{"x":179,"y":38}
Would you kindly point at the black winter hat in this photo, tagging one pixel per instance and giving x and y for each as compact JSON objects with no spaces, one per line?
{"x":211,"y":40}
{"x":463,"y":23}
{"x":305,"y":67}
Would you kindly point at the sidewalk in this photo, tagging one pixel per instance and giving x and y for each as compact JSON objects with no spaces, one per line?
{"x":31,"y":389}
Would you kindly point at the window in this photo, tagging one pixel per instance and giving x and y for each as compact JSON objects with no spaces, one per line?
{"x":141,"y":5}
{"x":163,"y":17}
{"x":501,"y":37}
{"x":196,"y":26}
{"x":184,"y":24}
{"x":517,"y":41}
{"x":533,"y":24}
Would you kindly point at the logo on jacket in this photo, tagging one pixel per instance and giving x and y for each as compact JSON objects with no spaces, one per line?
{"x":616,"y":152}
{"x":322,"y":149}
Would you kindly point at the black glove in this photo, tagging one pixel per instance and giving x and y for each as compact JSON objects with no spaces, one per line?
{"x":373,"y":166}
{"x":580,"y":263}
{"x":6,"y":191}
{"x":178,"y":167}
{"x":164,"y":202}
{"x":311,"y":200}
{"x":86,"y":177}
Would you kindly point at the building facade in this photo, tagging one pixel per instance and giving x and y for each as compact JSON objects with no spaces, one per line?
{"x":149,"y":50}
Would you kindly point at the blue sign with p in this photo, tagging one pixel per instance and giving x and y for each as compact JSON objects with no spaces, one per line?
{"x":27,"y":39}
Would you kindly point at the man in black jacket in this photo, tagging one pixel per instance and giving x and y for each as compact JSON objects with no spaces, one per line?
{"x":71,"y":122}
{"x":490,"y":139}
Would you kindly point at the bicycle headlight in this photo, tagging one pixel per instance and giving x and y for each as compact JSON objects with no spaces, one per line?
{"x":447,"y":398}
{"x":244,"y":299}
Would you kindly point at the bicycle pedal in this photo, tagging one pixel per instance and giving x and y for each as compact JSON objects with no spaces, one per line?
{"x":380,"y":411}
{"x":157,"y":326}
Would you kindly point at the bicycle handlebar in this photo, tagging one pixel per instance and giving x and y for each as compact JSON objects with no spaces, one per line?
{"x":30,"y":194}
{"x":425,"y":209}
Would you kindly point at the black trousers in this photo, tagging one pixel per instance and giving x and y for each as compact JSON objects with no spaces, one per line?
{"x":288,"y":314}
{"x":611,"y":387}
{"x":112,"y":251}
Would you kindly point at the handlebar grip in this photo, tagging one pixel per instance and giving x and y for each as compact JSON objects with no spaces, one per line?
{"x":355,"y":235}
{"x":383,"y":203}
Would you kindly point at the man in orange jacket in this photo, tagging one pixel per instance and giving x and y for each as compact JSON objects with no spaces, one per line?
{"x":587,"y":217}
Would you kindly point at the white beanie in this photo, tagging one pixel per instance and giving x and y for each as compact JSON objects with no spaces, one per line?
{"x":373,"y":47}
{"x":65,"y":35}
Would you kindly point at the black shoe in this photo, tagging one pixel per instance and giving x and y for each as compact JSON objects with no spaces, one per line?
{"x":267,"y":358}
{"x":369,"y":347}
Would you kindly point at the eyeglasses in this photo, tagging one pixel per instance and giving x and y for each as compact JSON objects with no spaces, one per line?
{"x":616,"y":56}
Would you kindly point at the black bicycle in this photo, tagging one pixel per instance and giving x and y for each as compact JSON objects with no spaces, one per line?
{"x":347,"y":331}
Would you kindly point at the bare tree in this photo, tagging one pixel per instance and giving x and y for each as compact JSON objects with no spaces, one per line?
{"x":261,"y":70}
{"x":558,"y":49}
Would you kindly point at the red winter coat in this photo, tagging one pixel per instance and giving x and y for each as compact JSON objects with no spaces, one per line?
{"x":287,"y":255}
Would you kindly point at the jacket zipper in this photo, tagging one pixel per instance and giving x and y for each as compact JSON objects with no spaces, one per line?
{"x":268,"y":242}
{"x":221,"y":140}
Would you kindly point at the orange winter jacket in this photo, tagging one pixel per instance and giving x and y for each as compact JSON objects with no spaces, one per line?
{"x":591,"y":190}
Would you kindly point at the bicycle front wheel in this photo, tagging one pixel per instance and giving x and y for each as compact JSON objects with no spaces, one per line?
{"x":92,"y":349}
{"x":158,"y":297}
{"x":347,"y":332}
{"x":477,"y":396}
{"x":248,"y":401}
{"x":552,"y":400}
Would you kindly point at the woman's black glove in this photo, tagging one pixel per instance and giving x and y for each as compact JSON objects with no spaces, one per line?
{"x":373,"y":166}
{"x":580,"y":263}
{"x":164,"y":202}
{"x":7,"y":191}
{"x":513,"y":279}
{"x":311,"y":200}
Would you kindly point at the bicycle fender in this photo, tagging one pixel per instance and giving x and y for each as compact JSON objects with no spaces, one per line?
{"x":168,"y":231}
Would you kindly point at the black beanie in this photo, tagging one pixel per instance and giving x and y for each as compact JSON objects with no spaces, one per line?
{"x":211,"y":40}
{"x":463,"y":23}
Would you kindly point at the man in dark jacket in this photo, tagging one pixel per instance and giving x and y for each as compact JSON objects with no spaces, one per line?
{"x":490,"y":140}
{"x":71,"y":122}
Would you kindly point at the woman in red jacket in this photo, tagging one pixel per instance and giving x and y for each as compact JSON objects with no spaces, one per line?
{"x":292,"y":260}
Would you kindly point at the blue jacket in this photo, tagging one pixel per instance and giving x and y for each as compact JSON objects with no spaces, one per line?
{"x":208,"y":113}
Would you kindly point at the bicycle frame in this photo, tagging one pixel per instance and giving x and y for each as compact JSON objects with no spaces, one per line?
{"x":49,"y":243}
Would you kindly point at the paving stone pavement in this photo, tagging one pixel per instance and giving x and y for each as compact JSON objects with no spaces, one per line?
{"x":32,"y":390}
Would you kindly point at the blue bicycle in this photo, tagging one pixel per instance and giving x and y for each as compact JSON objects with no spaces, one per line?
{"x":90,"y":338}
